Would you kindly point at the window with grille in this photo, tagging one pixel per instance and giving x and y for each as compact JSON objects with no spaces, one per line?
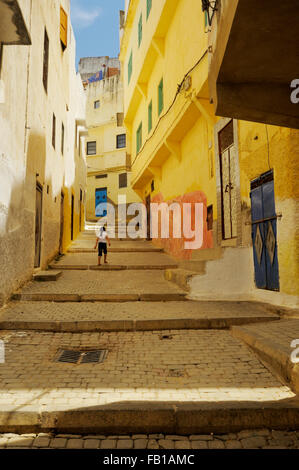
{"x":121,"y":141}
{"x":63,"y":28}
{"x":148,"y":7}
{"x":150,"y":116}
{"x":130,"y":67}
{"x":160,"y":97}
{"x":54,"y":131}
{"x":91,"y":148}
{"x":140,"y":30}
{"x":123,"y":180}
{"x":139,"y":138}
{"x":46,"y":61}
{"x":96,"y":104}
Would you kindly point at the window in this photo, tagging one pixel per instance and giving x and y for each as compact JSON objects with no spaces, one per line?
{"x":62,"y":138}
{"x":123,"y":180}
{"x":91,"y":148}
{"x":140,"y":30}
{"x":54,"y":131}
{"x":99,"y":177}
{"x":210,"y":217}
{"x":150,"y":116}
{"x":120,"y":119}
{"x":46,"y":61}
{"x":130,"y":67}
{"x":139,"y":138}
{"x":152,"y":186}
{"x":63,"y":28}
{"x":148,"y":7}
{"x":160,"y":97}
{"x":96,"y":104}
{"x":121,"y":141}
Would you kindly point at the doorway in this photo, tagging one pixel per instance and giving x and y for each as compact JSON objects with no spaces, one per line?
{"x":72,"y":218}
{"x":61,"y":224}
{"x":228,"y":175}
{"x":101,"y":202}
{"x":264,"y":232}
{"x":38,"y":225}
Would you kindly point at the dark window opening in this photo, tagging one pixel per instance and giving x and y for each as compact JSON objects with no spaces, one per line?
{"x":46,"y":61}
{"x":96,"y":104}
{"x":153,"y":186}
{"x":123,"y":180}
{"x":98,"y":177}
{"x":62,"y":138}
{"x":210,"y":218}
{"x":121,"y":141}
{"x":54,"y":131}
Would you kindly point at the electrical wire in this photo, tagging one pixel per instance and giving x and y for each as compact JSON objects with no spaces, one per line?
{"x":179,"y":87}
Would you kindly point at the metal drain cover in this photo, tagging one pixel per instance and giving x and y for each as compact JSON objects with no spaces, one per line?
{"x":82,"y":357}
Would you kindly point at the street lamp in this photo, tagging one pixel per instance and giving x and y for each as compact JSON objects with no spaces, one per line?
{"x":209,"y":6}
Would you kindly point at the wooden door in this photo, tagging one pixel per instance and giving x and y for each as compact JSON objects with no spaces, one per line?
{"x":38,"y":225}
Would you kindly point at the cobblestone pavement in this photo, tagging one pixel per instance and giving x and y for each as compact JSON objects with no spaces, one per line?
{"x":67,"y":312}
{"x":88,"y":243}
{"x":178,"y":365}
{"x":125,"y":259}
{"x":99,"y":282}
{"x":259,"y":439}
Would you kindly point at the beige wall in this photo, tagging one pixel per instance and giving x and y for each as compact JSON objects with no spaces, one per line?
{"x":27,"y":156}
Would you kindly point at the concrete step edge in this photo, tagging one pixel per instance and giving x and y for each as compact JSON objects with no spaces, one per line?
{"x":40,"y":297}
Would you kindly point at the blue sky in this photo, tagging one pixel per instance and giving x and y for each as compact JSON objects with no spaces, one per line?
{"x":96,"y":27}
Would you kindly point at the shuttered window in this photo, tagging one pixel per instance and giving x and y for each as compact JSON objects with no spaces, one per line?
{"x":63,"y":28}
{"x":140,"y":30}
{"x":130,"y":67}
{"x":139,"y":138}
{"x":46,"y":61}
{"x":150,"y":116}
{"x":91,"y":148}
{"x":148,"y":7}
{"x":160,"y":97}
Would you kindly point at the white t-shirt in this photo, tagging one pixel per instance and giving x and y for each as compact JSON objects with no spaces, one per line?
{"x":102,"y":237}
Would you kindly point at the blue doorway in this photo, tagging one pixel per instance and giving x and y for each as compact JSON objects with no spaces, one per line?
{"x":101,"y":202}
{"x":264,"y":232}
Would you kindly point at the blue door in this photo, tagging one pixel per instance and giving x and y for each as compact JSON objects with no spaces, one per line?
{"x":101,"y":202}
{"x":264,"y":232}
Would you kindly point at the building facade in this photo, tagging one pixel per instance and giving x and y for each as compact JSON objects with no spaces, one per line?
{"x":43,"y":177}
{"x":108,"y":162}
{"x":182,"y":152}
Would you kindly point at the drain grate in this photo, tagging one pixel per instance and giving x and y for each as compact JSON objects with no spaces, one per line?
{"x":82,"y":357}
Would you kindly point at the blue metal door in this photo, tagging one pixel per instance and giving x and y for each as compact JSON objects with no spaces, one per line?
{"x":264,"y":232}
{"x":101,"y":202}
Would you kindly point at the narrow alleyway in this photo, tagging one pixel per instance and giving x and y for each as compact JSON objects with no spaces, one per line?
{"x":171,"y":365}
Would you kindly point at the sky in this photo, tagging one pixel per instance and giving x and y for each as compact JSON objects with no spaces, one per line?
{"x":96,"y":27}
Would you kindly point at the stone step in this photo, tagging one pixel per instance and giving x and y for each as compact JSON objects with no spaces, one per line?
{"x":45,"y":276}
{"x":118,"y":250}
{"x":109,"y":267}
{"x":53,"y":297}
{"x":150,"y":417}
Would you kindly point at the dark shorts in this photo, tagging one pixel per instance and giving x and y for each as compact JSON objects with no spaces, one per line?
{"x":102,"y":248}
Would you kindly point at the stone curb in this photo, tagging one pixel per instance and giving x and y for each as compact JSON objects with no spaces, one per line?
{"x":43,"y":297}
{"x":85,"y":267}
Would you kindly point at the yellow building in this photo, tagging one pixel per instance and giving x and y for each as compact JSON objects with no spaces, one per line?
{"x":181,"y":152}
{"x":108,"y":162}
{"x":43,"y":178}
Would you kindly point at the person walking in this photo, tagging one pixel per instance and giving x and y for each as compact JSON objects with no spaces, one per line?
{"x":101,"y":243}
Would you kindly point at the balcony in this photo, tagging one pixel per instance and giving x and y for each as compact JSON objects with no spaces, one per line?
{"x":254,"y":59}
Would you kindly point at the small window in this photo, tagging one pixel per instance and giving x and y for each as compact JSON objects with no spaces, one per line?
{"x":46,"y":61}
{"x":210,"y":218}
{"x":62,"y":138}
{"x":130,"y":67}
{"x":152,"y":186}
{"x":63,"y":28}
{"x":96,"y":104}
{"x":120,"y":119}
{"x":139,"y":138}
{"x":99,"y":177}
{"x":91,"y":148}
{"x":150,"y":116}
{"x":160,"y":97}
{"x":123,"y":180}
{"x":121,"y":141}
{"x":140,"y":30}
{"x":54,"y":131}
{"x":148,"y":7}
